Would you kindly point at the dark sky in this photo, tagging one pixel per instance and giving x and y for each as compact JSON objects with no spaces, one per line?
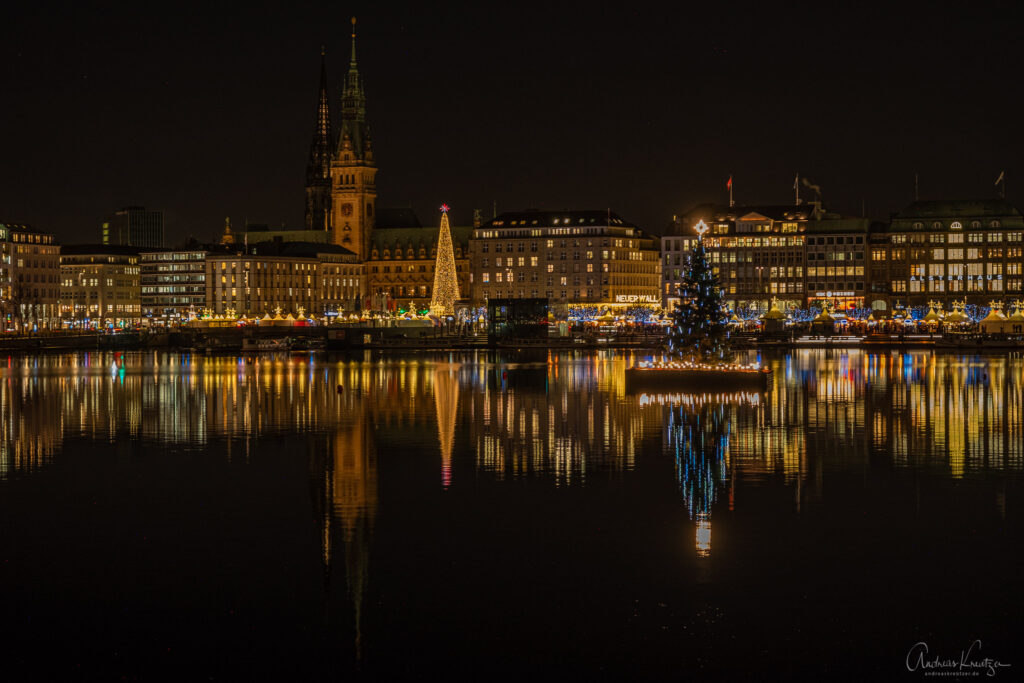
{"x":207,"y":111}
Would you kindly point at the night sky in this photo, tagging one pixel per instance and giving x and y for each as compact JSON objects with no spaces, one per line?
{"x":207,"y":111}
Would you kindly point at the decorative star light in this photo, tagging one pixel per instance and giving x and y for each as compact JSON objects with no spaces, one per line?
{"x":444,"y":208}
{"x":701,"y":228}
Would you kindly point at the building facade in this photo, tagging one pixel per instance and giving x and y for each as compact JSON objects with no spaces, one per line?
{"x":134,"y":226}
{"x":29,"y":278}
{"x":173,"y":283}
{"x":589,"y":258}
{"x":799,"y":255}
{"x":295,"y":277}
{"x":947,"y":251}
{"x":341,"y":279}
{"x":100,"y":286}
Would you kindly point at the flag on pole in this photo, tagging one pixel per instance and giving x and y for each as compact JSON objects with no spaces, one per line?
{"x":728,"y":184}
{"x":1002,"y":174}
{"x":796,"y":182}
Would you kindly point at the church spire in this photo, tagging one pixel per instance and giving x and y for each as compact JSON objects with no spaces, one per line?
{"x":318,"y":169}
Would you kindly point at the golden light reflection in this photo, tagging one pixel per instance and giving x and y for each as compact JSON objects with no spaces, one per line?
{"x":566,"y":416}
{"x":703,"y":540}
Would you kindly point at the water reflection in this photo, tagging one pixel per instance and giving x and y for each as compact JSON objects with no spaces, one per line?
{"x":548,"y":423}
{"x":344,"y":484}
{"x":558,"y":418}
{"x":698,"y":435}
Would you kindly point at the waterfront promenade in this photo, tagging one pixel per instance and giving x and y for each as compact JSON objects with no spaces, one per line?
{"x":351,"y":337}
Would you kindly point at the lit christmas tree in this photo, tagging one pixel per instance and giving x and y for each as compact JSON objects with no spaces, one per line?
{"x":698,"y":331}
{"x":446,"y":283}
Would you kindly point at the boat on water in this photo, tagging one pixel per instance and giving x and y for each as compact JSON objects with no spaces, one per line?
{"x":696,"y":378}
{"x":251,"y":344}
{"x":304,"y":345}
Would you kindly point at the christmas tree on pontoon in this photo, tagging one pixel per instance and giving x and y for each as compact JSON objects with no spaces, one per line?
{"x":698,"y":332}
{"x":446,"y":283}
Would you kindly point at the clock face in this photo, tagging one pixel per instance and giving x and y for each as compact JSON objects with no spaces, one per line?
{"x":346,"y":209}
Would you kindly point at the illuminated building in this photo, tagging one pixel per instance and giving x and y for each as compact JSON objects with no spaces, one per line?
{"x":948,"y":251}
{"x":29,"y":277}
{"x":173,"y":282}
{"x":100,"y":285}
{"x":258,"y":279}
{"x":134,"y":226}
{"x":569,"y":257}
{"x":798,"y":255}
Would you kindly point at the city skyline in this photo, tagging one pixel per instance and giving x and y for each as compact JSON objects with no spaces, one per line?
{"x":530,"y":109}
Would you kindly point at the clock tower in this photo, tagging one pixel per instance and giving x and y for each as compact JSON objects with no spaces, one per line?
{"x":353,"y":169}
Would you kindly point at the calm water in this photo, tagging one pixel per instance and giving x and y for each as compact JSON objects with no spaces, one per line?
{"x":167,"y":516}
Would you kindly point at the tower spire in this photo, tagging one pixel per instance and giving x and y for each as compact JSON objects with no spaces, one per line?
{"x":352,"y":59}
{"x":353,"y":106}
{"x":318,"y":169}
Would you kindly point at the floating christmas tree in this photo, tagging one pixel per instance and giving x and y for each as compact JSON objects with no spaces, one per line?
{"x":446,"y":283}
{"x":698,"y":331}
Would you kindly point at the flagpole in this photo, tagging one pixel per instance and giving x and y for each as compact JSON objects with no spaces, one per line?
{"x":796,"y":186}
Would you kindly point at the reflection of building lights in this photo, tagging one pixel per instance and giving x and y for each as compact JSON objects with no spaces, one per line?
{"x":703,"y":535}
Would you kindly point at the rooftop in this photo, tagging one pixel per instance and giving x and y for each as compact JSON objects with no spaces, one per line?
{"x":389,"y":237}
{"x":567,"y":218}
{"x":958,"y":208}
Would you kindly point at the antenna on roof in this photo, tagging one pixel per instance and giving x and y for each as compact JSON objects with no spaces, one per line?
{"x":916,"y":195}
{"x":495,"y":210}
